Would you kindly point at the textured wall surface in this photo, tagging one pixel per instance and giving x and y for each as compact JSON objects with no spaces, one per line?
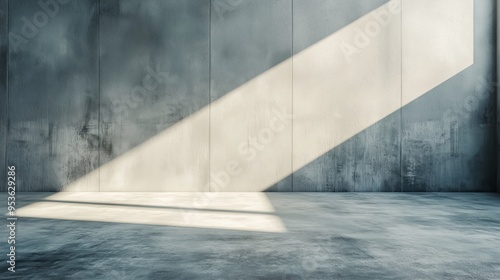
{"x":53,"y":93}
{"x":251,"y":78}
{"x":198,"y":95}
{"x":333,"y":150}
{"x":448,"y":133}
{"x":154,"y":72}
{"x":3,"y":88}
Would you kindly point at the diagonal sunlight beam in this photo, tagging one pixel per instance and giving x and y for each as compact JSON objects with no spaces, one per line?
{"x":438,"y":43}
{"x":335,"y":96}
{"x":335,"y":100}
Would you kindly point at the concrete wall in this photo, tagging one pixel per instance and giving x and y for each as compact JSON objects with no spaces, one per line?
{"x":198,"y":95}
{"x":3,"y":86}
{"x":53,"y":93}
{"x":154,"y":72}
{"x":448,"y":133}
{"x":250,"y":78}
{"x":346,"y":82}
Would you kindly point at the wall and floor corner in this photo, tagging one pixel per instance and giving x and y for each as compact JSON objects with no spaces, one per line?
{"x":194,"y":95}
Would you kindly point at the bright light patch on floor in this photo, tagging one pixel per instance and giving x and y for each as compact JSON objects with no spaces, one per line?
{"x":248,"y":212}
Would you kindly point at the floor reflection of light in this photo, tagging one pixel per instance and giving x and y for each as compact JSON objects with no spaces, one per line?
{"x":245,"y":212}
{"x":334,"y":98}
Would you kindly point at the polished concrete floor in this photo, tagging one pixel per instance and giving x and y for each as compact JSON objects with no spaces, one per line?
{"x":256,"y":236}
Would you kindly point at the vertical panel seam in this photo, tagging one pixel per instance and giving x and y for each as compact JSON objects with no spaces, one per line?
{"x":401,"y":103}
{"x":293,"y":54}
{"x":209,"y":93}
{"x":7,"y":118}
{"x":99,"y":136}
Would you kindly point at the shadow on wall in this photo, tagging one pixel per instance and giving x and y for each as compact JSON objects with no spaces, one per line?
{"x":155,"y":47}
{"x":3,"y":88}
{"x":53,"y":92}
{"x":159,"y":134}
{"x":446,"y":135}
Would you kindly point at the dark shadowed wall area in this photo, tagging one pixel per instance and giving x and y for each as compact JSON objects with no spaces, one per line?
{"x":3,"y":86}
{"x":249,"y":95}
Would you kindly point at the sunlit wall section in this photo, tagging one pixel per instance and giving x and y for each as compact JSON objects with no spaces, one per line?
{"x":437,"y":43}
{"x":200,"y":95}
{"x":250,"y":126}
{"x":342,"y":85}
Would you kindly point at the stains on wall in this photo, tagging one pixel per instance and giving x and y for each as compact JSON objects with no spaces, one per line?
{"x":377,"y":156}
{"x":153,"y":68}
{"x":3,"y":89}
{"x":448,"y":133}
{"x":497,"y":94}
{"x":53,"y":93}
{"x":92,"y":80}
{"x":154,"y":73}
{"x":369,"y":160}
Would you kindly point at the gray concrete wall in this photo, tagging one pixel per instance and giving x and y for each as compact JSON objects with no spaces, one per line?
{"x":3,"y":87}
{"x":250,"y":79}
{"x":154,"y":72}
{"x":448,"y":133}
{"x":370,"y":160}
{"x":195,"y":95}
{"x":53,"y":93}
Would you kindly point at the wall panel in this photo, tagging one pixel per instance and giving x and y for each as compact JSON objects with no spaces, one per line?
{"x":3,"y":88}
{"x":198,"y":95}
{"x":448,"y":113}
{"x":251,"y":94}
{"x":53,"y":94}
{"x":154,"y":88}
{"x":344,"y":87}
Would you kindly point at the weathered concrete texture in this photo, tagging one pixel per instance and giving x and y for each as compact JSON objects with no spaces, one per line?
{"x":340,"y":143}
{"x":53,"y":93}
{"x":448,"y":133}
{"x":3,"y":89}
{"x":367,"y":162}
{"x":497,"y":95}
{"x":328,"y":236}
{"x":154,"y":73}
{"x":196,"y":95}
{"x":251,"y":84}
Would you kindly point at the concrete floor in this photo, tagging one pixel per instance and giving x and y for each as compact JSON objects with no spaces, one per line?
{"x":256,"y":236}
